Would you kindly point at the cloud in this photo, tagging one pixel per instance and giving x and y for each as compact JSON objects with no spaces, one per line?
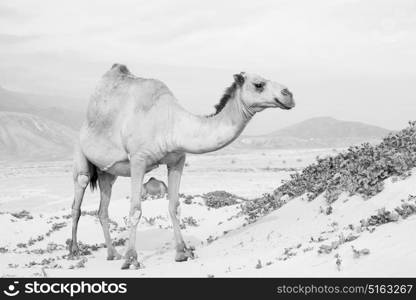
{"x":330,"y":52}
{"x":11,"y":39}
{"x":283,"y":34}
{"x":7,"y":12}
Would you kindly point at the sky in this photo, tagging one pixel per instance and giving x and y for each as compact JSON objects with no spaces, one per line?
{"x":352,"y":60}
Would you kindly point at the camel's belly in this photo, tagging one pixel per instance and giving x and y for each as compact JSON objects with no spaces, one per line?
{"x":119,"y":169}
{"x":123,"y":168}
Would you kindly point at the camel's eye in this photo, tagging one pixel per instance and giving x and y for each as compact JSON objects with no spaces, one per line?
{"x":259,"y":86}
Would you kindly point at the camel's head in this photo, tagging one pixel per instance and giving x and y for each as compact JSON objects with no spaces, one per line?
{"x":259,"y":93}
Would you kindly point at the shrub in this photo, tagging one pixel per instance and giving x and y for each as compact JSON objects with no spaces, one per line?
{"x":358,"y":170}
{"x":219,"y":199}
{"x":24,"y":214}
{"x":256,"y":208}
{"x":188,"y":199}
{"x":191,"y":221}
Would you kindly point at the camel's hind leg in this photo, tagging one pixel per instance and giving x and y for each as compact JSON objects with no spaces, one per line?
{"x":80,"y":183}
{"x":105,"y":182}
{"x":83,"y":173}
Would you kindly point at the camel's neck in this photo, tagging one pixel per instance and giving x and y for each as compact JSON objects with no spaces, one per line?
{"x":199,"y":134}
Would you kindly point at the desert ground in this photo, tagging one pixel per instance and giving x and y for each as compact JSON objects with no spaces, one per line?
{"x":302,"y":238}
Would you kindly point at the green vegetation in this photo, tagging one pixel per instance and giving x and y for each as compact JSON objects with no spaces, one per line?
{"x":217,"y":199}
{"x":358,"y":170}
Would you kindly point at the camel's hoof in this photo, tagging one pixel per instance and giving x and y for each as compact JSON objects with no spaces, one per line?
{"x":185,"y":254}
{"x":131,"y":263}
{"x":74,"y":253}
{"x":114,"y":256}
{"x":72,"y":257}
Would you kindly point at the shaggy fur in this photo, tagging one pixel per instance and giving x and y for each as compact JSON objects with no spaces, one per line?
{"x":228,"y":94}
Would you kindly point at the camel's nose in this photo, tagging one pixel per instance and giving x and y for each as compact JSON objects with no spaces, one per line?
{"x":286,"y":92}
{"x":287,"y":99}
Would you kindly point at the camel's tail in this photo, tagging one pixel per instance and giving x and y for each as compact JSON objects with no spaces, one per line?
{"x":93,"y":176}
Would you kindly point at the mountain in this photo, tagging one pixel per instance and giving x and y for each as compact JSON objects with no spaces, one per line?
{"x":322,"y":132}
{"x":67,"y":111}
{"x":329,"y":128}
{"x":29,"y":137}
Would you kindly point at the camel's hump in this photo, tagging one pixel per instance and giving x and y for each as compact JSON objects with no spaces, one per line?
{"x":120,"y":68}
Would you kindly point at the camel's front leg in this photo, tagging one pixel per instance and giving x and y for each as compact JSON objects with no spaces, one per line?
{"x":174,"y":179}
{"x":138,"y":169}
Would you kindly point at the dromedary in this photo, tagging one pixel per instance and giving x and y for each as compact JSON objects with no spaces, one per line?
{"x":154,"y":187}
{"x":135,"y":124}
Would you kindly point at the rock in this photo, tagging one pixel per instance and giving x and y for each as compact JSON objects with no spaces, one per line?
{"x":364,"y":251}
{"x":325,"y":249}
{"x":259,"y":265}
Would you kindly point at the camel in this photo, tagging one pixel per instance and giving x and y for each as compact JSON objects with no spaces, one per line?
{"x":135,"y":124}
{"x":154,"y":187}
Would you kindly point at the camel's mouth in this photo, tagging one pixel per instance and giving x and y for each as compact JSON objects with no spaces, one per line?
{"x":281,"y":105}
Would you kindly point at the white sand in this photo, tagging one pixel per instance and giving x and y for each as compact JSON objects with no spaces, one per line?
{"x":281,"y":241}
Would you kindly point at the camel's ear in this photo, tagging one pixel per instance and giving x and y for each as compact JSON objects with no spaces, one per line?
{"x":239,"y":78}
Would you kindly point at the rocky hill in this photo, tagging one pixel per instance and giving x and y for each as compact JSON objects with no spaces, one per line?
{"x":322,"y":132}
{"x":66,"y":111}
{"x":29,"y":137}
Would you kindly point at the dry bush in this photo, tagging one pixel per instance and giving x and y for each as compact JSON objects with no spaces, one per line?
{"x":358,"y":170}
{"x":217,"y":199}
